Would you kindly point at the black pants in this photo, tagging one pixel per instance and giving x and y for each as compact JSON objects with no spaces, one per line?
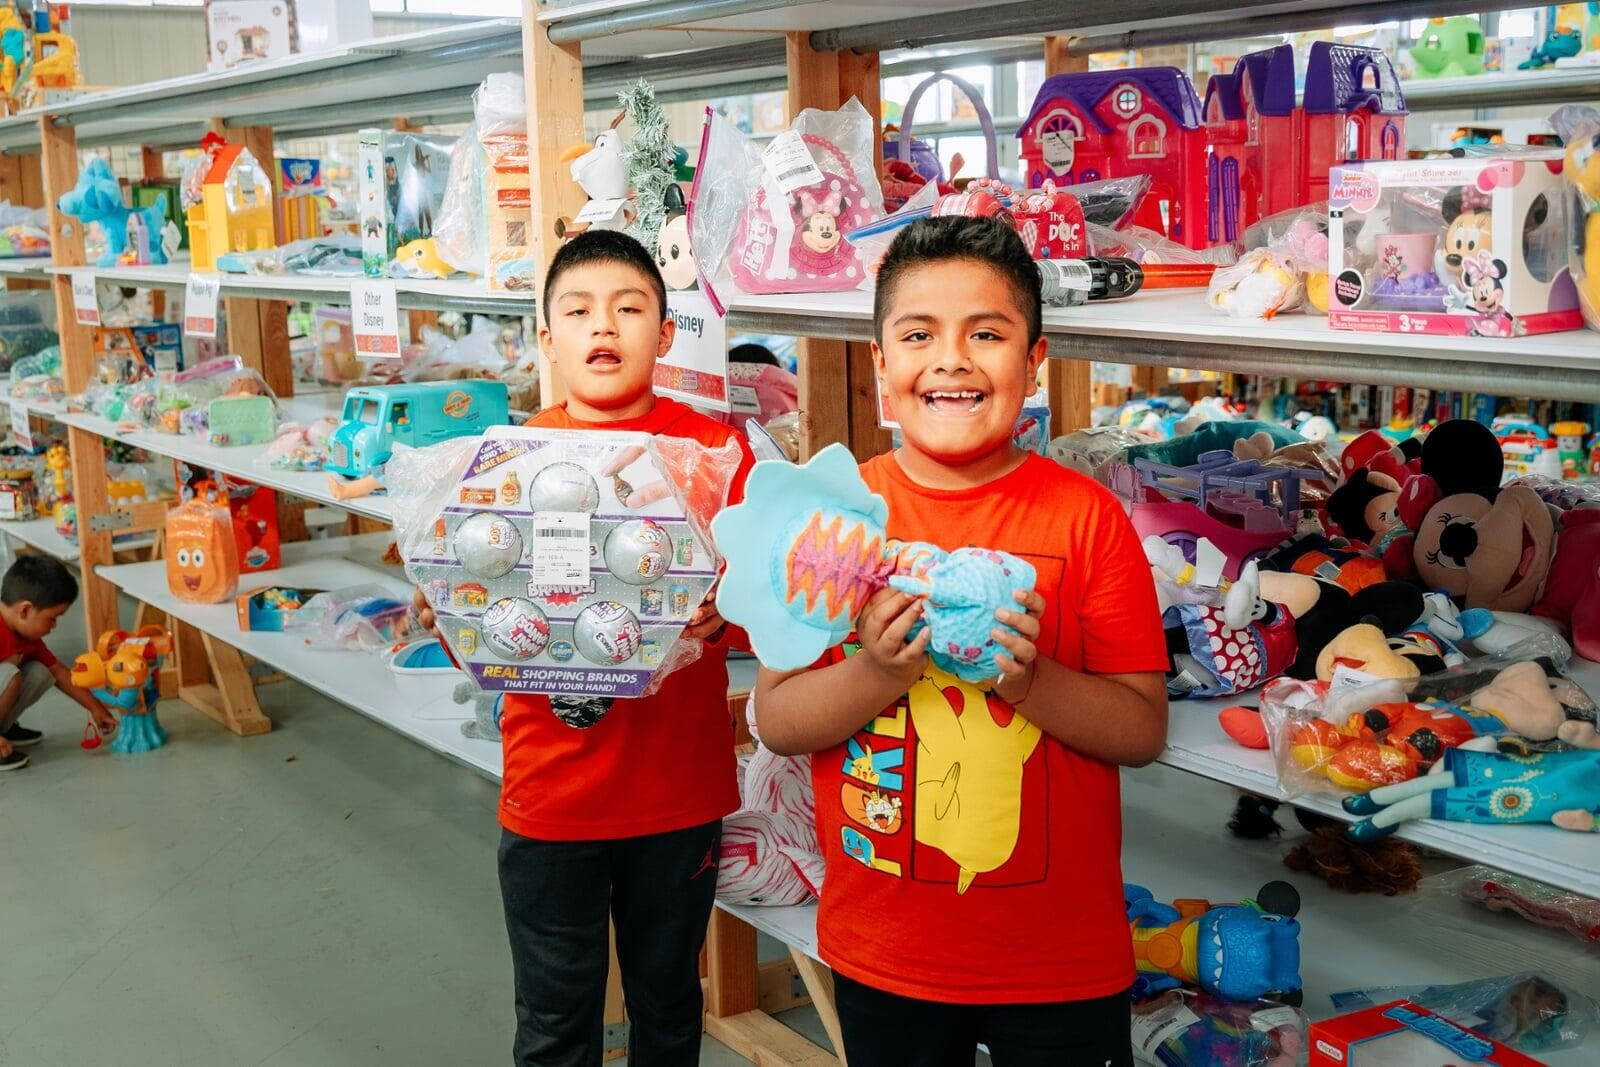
{"x":881,"y":1028}
{"x":558,"y":894}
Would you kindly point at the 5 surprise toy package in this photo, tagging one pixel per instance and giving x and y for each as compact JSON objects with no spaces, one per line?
{"x":563,"y":562}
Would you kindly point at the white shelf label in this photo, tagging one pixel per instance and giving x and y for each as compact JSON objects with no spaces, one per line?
{"x":559,"y":554}
{"x":376,"y":320}
{"x":21,"y":428}
{"x":599,"y":211}
{"x":745,"y":400}
{"x":695,"y":368}
{"x":200,"y":305}
{"x":789,"y":162}
{"x":1059,"y":148}
{"x":85,"y":303}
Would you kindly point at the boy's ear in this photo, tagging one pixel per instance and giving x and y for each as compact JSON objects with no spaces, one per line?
{"x":1036,"y":357}
{"x":669,"y":332}
{"x":547,"y":343}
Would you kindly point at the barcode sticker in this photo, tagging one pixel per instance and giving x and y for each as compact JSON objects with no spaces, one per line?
{"x":1152,"y":1030}
{"x":789,"y":162}
{"x":559,"y":554}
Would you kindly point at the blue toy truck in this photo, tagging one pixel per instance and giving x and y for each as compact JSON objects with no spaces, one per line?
{"x":417,"y":414}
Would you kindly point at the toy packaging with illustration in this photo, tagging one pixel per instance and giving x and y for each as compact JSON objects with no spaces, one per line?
{"x":561,"y":562}
{"x":1467,"y":247}
{"x":1403,"y":1034}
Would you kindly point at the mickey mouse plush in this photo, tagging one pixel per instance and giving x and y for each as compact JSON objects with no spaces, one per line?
{"x":673,"y":254}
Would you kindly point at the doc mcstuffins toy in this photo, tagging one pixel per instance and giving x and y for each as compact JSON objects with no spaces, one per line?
{"x":377,"y":417}
{"x":1471,"y":246}
{"x":807,"y":548}
{"x":1562,"y":788}
{"x":1242,"y":951}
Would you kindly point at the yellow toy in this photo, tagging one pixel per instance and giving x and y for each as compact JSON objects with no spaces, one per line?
{"x":125,"y":492}
{"x":58,"y":461}
{"x":235,"y":211}
{"x":13,"y":50}
{"x":422,"y":257}
{"x":1581,"y":130}
{"x":55,"y":64}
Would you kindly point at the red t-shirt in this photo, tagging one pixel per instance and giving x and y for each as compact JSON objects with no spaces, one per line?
{"x":11,"y":645}
{"x":660,"y":763}
{"x":970,"y":857}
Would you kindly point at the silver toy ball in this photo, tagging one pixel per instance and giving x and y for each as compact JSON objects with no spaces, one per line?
{"x":515,"y":628}
{"x":564,"y":487}
{"x":638,"y":551}
{"x":488,"y":545}
{"x":607,"y":633}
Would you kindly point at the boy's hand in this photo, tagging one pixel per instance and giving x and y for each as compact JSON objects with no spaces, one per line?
{"x":424,"y":610}
{"x":706,"y":620}
{"x":15,"y":661}
{"x":882,"y":628}
{"x":104,"y":720}
{"x":1017,"y":662}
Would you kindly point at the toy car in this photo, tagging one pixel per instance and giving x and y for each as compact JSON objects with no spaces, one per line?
{"x":418,"y":414}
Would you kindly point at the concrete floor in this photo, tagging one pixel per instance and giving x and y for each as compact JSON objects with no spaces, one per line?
{"x":324,"y":894}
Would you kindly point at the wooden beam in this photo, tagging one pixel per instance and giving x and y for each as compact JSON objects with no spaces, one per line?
{"x":152,"y":164}
{"x":734,"y":978}
{"x":818,"y":979}
{"x":258,"y":330}
{"x":1067,"y":380}
{"x":553,"y":77}
{"x":766,"y":1042}
{"x":867,"y":437}
{"x":824,"y":395}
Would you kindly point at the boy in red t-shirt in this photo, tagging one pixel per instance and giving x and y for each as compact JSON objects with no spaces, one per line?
{"x":613,"y":808}
{"x":973,"y":832}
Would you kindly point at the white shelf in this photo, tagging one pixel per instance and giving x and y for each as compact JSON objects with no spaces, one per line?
{"x":1196,"y":743}
{"x":26,"y":267}
{"x":42,"y":535}
{"x":241,"y":461}
{"x":444,"y":294}
{"x":1552,"y":85}
{"x":1178,"y":329}
{"x":417,"y":706}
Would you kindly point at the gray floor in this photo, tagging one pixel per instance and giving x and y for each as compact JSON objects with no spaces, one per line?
{"x":324,"y":894}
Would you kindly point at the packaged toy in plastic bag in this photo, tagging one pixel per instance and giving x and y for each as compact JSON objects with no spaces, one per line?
{"x":1544,"y":905}
{"x":1354,"y":734}
{"x":1579,"y":127}
{"x":459,"y":233}
{"x":367,"y":618}
{"x":184,"y":400}
{"x":1525,"y":1011}
{"x":202,"y":557}
{"x":1183,"y":1028}
{"x":773,"y":220}
{"x":501,"y":112}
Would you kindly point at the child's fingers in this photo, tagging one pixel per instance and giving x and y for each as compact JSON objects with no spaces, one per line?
{"x":1010,"y":669}
{"x":916,"y":648}
{"x":1031,"y":601}
{"x":1026,"y":625}
{"x":621,"y":460}
{"x":1022,"y":650}
{"x":648,"y":494}
{"x":895,"y":633}
{"x":881,"y":608}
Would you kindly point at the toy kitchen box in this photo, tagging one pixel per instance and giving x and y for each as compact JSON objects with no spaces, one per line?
{"x":1466,"y":247}
{"x":544,"y":579}
{"x":1401,"y":1034}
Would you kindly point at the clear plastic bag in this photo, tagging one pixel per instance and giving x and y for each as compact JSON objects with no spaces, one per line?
{"x":754,"y":231}
{"x":477,"y":354}
{"x":1282,"y":255}
{"x":366,"y":618}
{"x":460,"y":232}
{"x":337,"y":256}
{"x":1092,"y":451}
{"x":1536,"y":902}
{"x":1345,"y":737}
{"x":699,"y":478}
{"x":182,"y":399}
{"x":1524,"y":1011}
{"x":1184,"y":1028}
{"x":501,"y":113}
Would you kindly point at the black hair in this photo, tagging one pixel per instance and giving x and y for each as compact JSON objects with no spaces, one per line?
{"x":987,"y":241}
{"x":603,"y":246}
{"x":752,"y":353}
{"x":41,"y":580}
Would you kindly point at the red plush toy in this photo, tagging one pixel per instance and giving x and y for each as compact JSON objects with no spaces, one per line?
{"x":1572,"y":589}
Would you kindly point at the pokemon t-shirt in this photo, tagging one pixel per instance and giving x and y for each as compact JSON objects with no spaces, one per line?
{"x":662,"y":762}
{"x":970,"y":857}
{"x":12,"y":644}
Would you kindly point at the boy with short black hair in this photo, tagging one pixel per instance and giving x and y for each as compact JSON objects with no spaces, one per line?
{"x":35,"y":592}
{"x":613,"y":808}
{"x":988,"y":908}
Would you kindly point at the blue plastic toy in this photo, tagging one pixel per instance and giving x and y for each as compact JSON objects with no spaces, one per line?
{"x":125,"y":673}
{"x":97,"y":198}
{"x":807,"y":549}
{"x":1238,"y":951}
{"x":377,"y":417}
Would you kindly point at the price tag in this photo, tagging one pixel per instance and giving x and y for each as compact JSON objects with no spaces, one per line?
{"x":789,"y":162}
{"x":1152,"y":1030}
{"x":1059,"y":147}
{"x":745,"y":400}
{"x":21,"y":427}
{"x":1269,"y":1019}
{"x":85,"y":303}
{"x":1349,"y":679}
{"x":200,"y":305}
{"x":559,"y":554}
{"x":376,"y":320}
{"x":599,"y":211}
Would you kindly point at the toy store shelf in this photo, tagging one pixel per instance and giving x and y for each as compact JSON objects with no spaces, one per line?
{"x":795,"y":926}
{"x":1180,"y":330}
{"x":42,"y":535}
{"x":434,"y":294}
{"x":1555,"y":85}
{"x":26,"y":267}
{"x":1197,"y":744}
{"x":242,"y":461}
{"x":417,"y":706}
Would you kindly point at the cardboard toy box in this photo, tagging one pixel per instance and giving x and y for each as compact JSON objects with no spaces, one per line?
{"x":265,"y":608}
{"x":1401,"y":1034}
{"x":241,"y":31}
{"x":1467,"y":247}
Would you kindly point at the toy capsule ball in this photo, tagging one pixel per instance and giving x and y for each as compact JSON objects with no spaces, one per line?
{"x":515,"y":628}
{"x":488,"y":545}
{"x":563,"y":487}
{"x":607,"y":633}
{"x":638,"y":551}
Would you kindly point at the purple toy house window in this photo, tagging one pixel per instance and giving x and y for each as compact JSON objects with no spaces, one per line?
{"x":1126,"y":101}
{"x":1391,"y":141}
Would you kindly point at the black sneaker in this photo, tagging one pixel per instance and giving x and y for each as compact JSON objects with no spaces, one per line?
{"x":14,"y":762}
{"x":22,"y":737}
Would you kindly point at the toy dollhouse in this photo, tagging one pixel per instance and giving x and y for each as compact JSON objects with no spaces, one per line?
{"x":235,"y":211}
{"x":1113,"y":124}
{"x":1270,"y":153}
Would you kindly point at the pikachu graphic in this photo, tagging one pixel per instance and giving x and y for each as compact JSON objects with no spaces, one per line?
{"x":969,"y":774}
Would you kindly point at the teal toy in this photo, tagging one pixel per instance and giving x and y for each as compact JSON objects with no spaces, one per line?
{"x":1449,"y":48}
{"x":417,"y":414}
{"x":1562,"y":788}
{"x":97,"y":198}
{"x":125,"y":673}
{"x":1567,"y":27}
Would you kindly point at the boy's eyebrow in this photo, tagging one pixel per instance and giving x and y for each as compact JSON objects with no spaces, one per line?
{"x":924,"y":317}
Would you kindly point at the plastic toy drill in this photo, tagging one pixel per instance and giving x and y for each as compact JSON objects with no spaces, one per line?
{"x":124,"y":672}
{"x":1238,"y":951}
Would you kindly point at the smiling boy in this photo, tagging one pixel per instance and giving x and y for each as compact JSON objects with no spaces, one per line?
{"x":988,"y":908}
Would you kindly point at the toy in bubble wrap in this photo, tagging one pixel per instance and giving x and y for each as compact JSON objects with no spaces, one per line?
{"x":123,"y":672}
{"x":562,"y":562}
{"x":807,"y":549}
{"x":1562,"y":788}
{"x":1240,"y":951}
{"x":97,"y":198}
{"x":1183,"y":1028}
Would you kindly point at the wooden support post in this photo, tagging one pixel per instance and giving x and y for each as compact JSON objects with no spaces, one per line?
{"x":553,"y":77}
{"x":1067,"y":380}
{"x":152,"y":164}
{"x":735,"y":983}
{"x":819,"y":983}
{"x":58,"y":149}
{"x":22,"y":183}
{"x":258,"y":330}
{"x":229,"y":697}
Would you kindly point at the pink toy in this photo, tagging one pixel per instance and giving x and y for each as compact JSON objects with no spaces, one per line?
{"x":798,"y":246}
{"x":1184,"y":525}
{"x":1272,"y":154}
{"x":1572,"y":588}
{"x":1051,"y":223}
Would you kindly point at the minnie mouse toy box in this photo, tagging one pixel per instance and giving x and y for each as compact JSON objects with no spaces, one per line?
{"x":1466,"y":247}
{"x":1401,"y":1034}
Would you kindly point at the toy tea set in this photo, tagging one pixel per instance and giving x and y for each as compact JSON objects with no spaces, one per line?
{"x":560,"y":562}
